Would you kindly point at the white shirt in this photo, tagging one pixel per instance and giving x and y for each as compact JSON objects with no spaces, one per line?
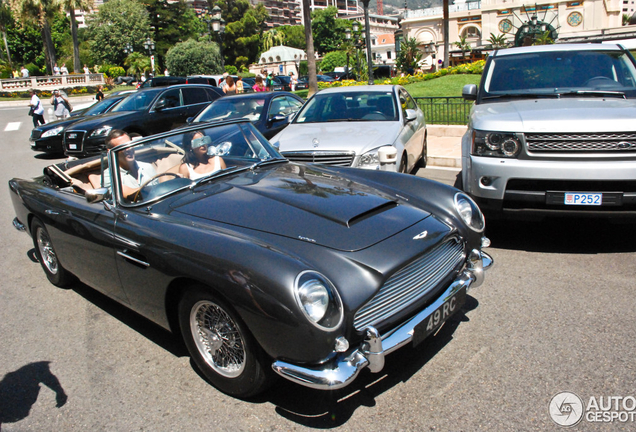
{"x":145,"y":170}
{"x":64,"y":70}
{"x":35,"y":102}
{"x":25,"y":73}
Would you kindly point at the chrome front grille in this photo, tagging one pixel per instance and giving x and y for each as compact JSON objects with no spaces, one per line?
{"x":409,"y":284}
{"x":581,"y":142}
{"x":73,"y":140}
{"x":321,"y":157}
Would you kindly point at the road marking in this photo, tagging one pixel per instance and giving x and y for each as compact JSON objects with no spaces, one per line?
{"x":13,"y":126}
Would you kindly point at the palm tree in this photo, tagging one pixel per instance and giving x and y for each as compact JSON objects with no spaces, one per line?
{"x":272,"y":38}
{"x":543,"y":39}
{"x":498,"y":41}
{"x":410,"y":55}
{"x":39,"y":12}
{"x":138,"y":64}
{"x":5,"y":20}
{"x":70,"y":6}
{"x":463,"y":45}
{"x":309,"y":40}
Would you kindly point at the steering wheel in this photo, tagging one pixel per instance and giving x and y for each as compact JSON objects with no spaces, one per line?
{"x":374,"y":115}
{"x":600,"y":80}
{"x":138,"y":193}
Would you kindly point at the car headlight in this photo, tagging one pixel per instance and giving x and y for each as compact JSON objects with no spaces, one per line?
{"x":369,"y":158}
{"x":102,"y":131}
{"x":52,"y":132}
{"x":318,"y":299}
{"x":496,"y":144}
{"x":469,"y":212}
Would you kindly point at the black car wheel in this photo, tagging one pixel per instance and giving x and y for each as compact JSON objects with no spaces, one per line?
{"x":403,"y":161}
{"x":47,"y":257}
{"x":221,"y":346}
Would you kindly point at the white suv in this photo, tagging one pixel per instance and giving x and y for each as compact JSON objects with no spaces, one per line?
{"x":553,"y":131}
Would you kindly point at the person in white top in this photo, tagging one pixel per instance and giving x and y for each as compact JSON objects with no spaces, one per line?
{"x":196,"y":162}
{"x":38,"y":109}
{"x":64,"y":69}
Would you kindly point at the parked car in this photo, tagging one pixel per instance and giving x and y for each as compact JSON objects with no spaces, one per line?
{"x":319,"y":78}
{"x":552,"y":131}
{"x":270,"y":112}
{"x":146,"y":112}
{"x":79,"y":110}
{"x":161,"y":81}
{"x":339,"y":76}
{"x":348,"y":126}
{"x":313,"y":272}
{"x":48,"y":137}
{"x":286,"y":80}
{"x":213,"y":80}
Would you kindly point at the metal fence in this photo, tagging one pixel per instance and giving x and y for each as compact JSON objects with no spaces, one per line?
{"x":445,"y":110}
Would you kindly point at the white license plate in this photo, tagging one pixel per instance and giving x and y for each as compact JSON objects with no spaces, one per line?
{"x":72,"y":146}
{"x":431,"y":324}
{"x":593,"y":199}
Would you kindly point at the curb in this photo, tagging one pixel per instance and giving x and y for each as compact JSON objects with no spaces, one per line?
{"x":444,"y":162}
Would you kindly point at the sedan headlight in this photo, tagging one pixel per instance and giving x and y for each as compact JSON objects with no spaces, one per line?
{"x":496,"y":144}
{"x":318,"y":299}
{"x":369,"y":159}
{"x":102,"y":131}
{"x":52,"y":132}
{"x":469,"y":212}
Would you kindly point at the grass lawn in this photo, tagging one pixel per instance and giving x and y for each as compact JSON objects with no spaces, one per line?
{"x":448,"y":85}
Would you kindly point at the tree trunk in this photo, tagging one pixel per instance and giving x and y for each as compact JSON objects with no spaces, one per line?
{"x":49,"y":48}
{"x":446,"y":44}
{"x":77,"y":65}
{"x":6,"y":47}
{"x":311,"y":57}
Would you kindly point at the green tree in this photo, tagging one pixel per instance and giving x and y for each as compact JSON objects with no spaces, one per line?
{"x":410,"y":55}
{"x":498,"y":41}
{"x":118,"y":23}
{"x":5,"y":21}
{"x":328,"y":31}
{"x":543,"y":39}
{"x":332,"y":60}
{"x":40,"y":13}
{"x":137,"y":64}
{"x":70,"y":6}
{"x":294,"y":36}
{"x":272,"y":38}
{"x":194,"y":58}
{"x":463,"y":45}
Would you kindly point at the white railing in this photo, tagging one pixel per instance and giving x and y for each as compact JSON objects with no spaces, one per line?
{"x":440,"y":10}
{"x":51,"y":82}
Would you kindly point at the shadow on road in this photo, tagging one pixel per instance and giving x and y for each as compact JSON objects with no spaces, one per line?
{"x":563,"y":235}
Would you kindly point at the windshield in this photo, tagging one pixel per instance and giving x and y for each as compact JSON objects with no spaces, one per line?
{"x":560,"y":72}
{"x":349,"y":106}
{"x":137,"y":101}
{"x":237,"y":108}
{"x":102,"y":106}
{"x":155,"y":167}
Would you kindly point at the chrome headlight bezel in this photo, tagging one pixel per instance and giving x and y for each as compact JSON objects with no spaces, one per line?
{"x":469,"y":212}
{"x":370,"y":158}
{"x":101,"y":131}
{"x":328,"y":314}
{"x":52,"y":132}
{"x":496,"y":144}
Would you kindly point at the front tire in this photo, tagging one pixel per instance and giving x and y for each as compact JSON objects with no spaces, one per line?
{"x":221,"y":345}
{"x":45,"y":252}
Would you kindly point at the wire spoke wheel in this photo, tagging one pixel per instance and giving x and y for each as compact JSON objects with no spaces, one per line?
{"x":218,"y":339}
{"x":49,"y":259}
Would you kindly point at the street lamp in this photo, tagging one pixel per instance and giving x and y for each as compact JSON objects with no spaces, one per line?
{"x":218,"y":26}
{"x":367,"y":38}
{"x":348,"y":37}
{"x":128,"y":49}
{"x":149,"y":44}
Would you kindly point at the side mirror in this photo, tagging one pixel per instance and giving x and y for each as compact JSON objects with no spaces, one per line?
{"x":469,"y":92}
{"x":410,"y":115}
{"x":97,"y":195}
{"x":278,"y":117}
{"x":160,"y":105}
{"x":189,"y":120}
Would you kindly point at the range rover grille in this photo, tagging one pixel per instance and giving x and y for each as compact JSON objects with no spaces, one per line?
{"x":325,"y":158}
{"x":582,"y":142}
{"x":409,"y":284}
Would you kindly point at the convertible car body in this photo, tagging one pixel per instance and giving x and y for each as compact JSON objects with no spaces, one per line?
{"x":309,"y":271}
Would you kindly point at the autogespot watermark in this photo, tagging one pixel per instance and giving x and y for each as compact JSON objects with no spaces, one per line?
{"x":568,"y":409}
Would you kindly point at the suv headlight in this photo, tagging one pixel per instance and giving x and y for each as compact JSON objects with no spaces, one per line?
{"x":319,"y":300}
{"x":102,"y":131}
{"x":496,"y":144}
{"x":369,"y":159}
{"x":469,"y":211}
{"x":52,"y":132}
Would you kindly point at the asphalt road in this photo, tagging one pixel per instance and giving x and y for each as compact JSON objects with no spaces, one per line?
{"x":555,"y":314}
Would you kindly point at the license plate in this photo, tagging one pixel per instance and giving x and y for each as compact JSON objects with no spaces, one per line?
{"x":72,"y":146}
{"x":431,"y":324}
{"x":575,"y":198}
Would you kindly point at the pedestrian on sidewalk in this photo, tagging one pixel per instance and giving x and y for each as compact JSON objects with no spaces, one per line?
{"x":100,"y":93}
{"x":37,"y":108}
{"x":61,"y":105}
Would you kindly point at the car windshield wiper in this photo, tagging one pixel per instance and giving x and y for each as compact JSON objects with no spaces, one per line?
{"x":218,"y":174}
{"x":344,"y":120}
{"x":593,"y":93}
{"x":521,"y":95}
{"x":266,"y":162}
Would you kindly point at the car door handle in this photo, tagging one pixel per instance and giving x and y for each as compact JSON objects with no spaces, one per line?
{"x":133,"y":259}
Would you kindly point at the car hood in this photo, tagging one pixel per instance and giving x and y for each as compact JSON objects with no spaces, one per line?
{"x":52,"y":125}
{"x":92,"y":122}
{"x":351,"y":136}
{"x":309,"y":203}
{"x":569,"y":114}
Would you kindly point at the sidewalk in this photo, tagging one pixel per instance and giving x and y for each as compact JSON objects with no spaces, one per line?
{"x":444,"y":145}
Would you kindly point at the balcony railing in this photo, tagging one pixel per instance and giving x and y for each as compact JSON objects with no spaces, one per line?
{"x":51,"y":82}
{"x":445,"y":110}
{"x":440,"y":10}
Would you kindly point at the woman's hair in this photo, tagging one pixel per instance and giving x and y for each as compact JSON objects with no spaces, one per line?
{"x":259,"y":80}
{"x":229,"y":80}
{"x":189,"y":156}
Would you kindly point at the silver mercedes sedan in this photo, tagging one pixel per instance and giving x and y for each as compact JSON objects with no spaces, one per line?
{"x":371,"y":127}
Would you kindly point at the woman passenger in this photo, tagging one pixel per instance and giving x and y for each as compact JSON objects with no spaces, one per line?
{"x":196,"y":162}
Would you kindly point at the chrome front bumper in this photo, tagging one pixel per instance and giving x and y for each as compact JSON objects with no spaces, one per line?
{"x":344,"y":369}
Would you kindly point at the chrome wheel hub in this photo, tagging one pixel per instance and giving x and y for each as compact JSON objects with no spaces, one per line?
{"x":49,"y":259}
